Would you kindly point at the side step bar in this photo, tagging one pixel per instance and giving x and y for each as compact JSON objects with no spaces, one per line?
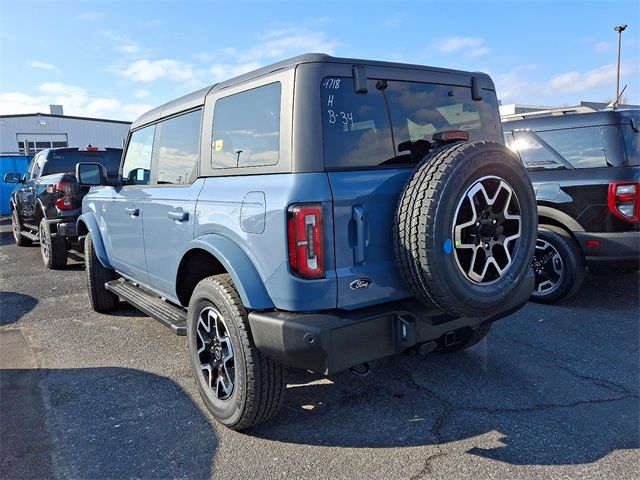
{"x":170,"y":316}
{"x":34,"y":237}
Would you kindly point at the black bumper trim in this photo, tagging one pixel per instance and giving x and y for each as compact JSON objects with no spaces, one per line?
{"x":330,"y":341}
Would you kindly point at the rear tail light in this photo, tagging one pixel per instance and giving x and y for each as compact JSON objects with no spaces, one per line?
{"x":64,"y":191}
{"x":305,"y":240}
{"x":624,"y":201}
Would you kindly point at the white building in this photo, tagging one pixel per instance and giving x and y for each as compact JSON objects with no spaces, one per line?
{"x":44,"y":130}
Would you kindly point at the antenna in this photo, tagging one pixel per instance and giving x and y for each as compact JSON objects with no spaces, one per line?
{"x":614,"y":104}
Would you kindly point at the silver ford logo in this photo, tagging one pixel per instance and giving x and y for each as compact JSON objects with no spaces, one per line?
{"x":361,"y":283}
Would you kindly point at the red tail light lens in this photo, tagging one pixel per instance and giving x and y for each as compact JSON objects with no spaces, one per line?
{"x":64,"y":192}
{"x":305,"y":240}
{"x":624,"y":201}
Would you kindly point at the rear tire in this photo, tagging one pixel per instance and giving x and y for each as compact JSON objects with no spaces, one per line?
{"x":239,"y":385}
{"x":52,"y":249}
{"x":558,"y":265}
{"x":101,"y":299}
{"x":17,"y":228}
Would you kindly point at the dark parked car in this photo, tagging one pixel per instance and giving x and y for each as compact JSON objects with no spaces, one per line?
{"x":48,"y":201}
{"x":585,"y":168}
{"x":374,"y":211}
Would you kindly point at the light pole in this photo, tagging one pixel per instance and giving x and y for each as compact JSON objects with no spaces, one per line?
{"x":619,"y":29}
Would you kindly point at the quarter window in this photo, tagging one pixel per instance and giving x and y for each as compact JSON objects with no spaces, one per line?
{"x":179,"y":148}
{"x":533,"y":154}
{"x":246,"y":128}
{"x":581,"y":147}
{"x":137,"y":161}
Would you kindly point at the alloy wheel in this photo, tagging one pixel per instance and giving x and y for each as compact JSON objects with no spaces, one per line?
{"x":215,"y":353}
{"x":486,"y":230}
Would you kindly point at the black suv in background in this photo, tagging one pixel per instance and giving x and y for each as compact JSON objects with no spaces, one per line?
{"x":48,"y":200}
{"x":585,"y":168}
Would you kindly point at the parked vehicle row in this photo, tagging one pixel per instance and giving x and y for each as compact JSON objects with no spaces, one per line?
{"x":585,"y":169}
{"x":375,"y":211}
{"x":48,"y":200}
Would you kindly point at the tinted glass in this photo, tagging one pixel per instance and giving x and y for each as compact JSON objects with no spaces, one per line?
{"x":65,"y":161}
{"x":533,"y":154}
{"x":179,"y":148}
{"x":357,"y":126}
{"x":246,"y":128}
{"x":581,"y":147}
{"x":137,"y":161}
{"x":632,"y":143}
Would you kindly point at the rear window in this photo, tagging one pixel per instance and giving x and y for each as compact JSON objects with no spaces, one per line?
{"x":394,"y":122}
{"x":632,"y":143}
{"x":65,"y":161}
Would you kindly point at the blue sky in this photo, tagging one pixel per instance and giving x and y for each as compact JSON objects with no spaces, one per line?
{"x":116,"y":60}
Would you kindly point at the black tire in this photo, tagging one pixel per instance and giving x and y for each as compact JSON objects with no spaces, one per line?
{"x":256,"y":383}
{"x":17,"y":228}
{"x":434,"y":200}
{"x":101,"y":299}
{"x":558,"y":265}
{"x":468,"y":338}
{"x":52,"y":249}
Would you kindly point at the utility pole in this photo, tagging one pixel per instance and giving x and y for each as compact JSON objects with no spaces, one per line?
{"x":619,"y":29}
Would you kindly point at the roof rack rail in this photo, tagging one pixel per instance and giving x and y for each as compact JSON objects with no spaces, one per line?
{"x":548,"y":113}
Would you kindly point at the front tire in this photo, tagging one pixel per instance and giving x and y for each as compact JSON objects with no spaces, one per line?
{"x":239,"y":385}
{"x":101,"y":299}
{"x":17,"y":228}
{"x":558,"y":265}
{"x":53,"y":249}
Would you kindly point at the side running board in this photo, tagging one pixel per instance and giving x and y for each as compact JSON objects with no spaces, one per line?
{"x":169,"y":315}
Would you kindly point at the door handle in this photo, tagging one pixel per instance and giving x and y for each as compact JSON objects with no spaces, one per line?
{"x":134,"y":212}
{"x":178,"y":215}
{"x":357,"y":216}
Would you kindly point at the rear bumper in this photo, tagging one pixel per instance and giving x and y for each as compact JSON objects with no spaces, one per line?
{"x":331,"y":341}
{"x":67,"y":229}
{"x":617,"y":251}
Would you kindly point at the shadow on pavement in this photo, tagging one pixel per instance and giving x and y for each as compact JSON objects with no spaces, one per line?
{"x":543,"y":388}
{"x":101,"y":423}
{"x":14,"y":305}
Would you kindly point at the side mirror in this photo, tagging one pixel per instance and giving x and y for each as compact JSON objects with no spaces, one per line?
{"x":12,"y":178}
{"x":91,"y":174}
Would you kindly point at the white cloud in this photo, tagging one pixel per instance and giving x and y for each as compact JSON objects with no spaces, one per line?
{"x":221,"y":71}
{"x":470,"y":47}
{"x":602,"y":47}
{"x":90,"y":16}
{"x":286,"y":42}
{"x":75,"y":100}
{"x":151,"y":70}
{"x":570,"y":87}
{"x":141,"y":94}
{"x":123,"y":43}
{"x":572,"y":82}
{"x":42,"y":65}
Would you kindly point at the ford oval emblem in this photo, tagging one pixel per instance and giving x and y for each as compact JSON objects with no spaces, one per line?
{"x":361,"y":283}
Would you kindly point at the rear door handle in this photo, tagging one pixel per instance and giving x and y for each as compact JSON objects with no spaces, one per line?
{"x":134,"y":212}
{"x":178,"y":215}
{"x":357,"y":215}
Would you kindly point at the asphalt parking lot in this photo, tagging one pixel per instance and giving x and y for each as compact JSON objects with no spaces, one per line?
{"x":553,"y":392}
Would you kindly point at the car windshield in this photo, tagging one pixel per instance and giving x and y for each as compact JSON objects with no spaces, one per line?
{"x":394,"y":122}
{"x":64,"y":161}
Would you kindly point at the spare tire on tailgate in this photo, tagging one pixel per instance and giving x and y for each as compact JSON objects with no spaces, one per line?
{"x":465,"y":228}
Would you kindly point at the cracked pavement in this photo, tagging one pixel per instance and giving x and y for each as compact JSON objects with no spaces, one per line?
{"x":552,"y":392}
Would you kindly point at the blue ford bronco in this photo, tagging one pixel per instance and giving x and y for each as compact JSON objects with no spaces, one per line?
{"x":318,"y":213}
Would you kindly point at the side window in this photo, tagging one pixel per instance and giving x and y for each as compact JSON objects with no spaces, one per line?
{"x":39,"y":161}
{"x":137,"y":161}
{"x":179,"y":148}
{"x":581,"y":147}
{"x":532,"y":153}
{"x":246,"y":128}
{"x":27,"y":174}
